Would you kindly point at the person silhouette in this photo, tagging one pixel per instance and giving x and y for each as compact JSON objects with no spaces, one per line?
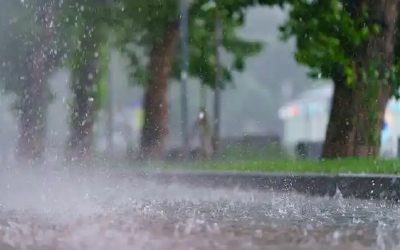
{"x":202,"y":129}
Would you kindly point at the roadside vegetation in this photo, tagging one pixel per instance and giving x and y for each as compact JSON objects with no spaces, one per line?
{"x":349,"y":165}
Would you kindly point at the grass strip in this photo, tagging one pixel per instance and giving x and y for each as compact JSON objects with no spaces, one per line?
{"x":372,"y":166}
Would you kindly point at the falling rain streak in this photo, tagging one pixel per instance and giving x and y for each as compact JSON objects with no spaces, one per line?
{"x":95,"y":95}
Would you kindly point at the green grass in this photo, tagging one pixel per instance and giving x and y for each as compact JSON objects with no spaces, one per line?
{"x":328,"y":166}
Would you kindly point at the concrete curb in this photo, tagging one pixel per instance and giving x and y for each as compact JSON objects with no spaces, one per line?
{"x":359,"y":186}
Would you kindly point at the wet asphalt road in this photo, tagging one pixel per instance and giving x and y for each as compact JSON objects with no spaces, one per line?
{"x":75,"y":208}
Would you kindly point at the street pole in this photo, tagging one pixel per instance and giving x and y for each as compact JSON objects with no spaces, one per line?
{"x":218,"y":81}
{"x":110,"y":113}
{"x":203,"y":97}
{"x":184,"y":58}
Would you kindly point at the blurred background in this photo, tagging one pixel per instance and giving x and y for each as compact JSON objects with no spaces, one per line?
{"x":77,"y":79}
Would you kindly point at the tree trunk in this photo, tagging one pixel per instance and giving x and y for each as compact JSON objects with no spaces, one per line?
{"x":83,"y":114}
{"x":369,"y":120}
{"x":357,"y":115}
{"x":33,"y":111}
{"x":340,"y":130}
{"x":35,"y":96}
{"x":372,"y":95}
{"x":84,"y":76}
{"x":155,"y":98}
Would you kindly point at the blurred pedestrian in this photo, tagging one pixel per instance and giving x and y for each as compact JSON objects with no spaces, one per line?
{"x":202,"y":130}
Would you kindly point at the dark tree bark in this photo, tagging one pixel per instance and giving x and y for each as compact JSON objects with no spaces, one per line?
{"x":357,"y":114}
{"x":371,"y":97}
{"x":85,"y":77}
{"x":80,"y":141}
{"x":155,"y":98}
{"x":33,"y":109}
{"x":34,"y":99}
{"x":340,"y":132}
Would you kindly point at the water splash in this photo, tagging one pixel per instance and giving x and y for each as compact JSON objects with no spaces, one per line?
{"x":68,"y":207}
{"x":338,"y":195}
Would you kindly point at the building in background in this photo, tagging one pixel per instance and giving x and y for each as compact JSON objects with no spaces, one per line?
{"x":305,"y":119}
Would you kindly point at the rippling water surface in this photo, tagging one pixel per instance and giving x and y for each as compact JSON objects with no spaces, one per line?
{"x":74,"y":208}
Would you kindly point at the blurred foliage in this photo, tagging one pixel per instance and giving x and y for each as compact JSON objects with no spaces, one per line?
{"x":202,"y":56}
{"x":18,"y":33}
{"x":143,"y":25}
{"x":21,"y":29}
{"x":134,"y":25}
{"x":326,"y":36}
{"x":339,"y":39}
{"x":329,"y":34}
{"x":85,"y":23}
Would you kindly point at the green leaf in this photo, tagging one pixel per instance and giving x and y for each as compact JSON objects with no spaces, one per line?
{"x":376,"y":29}
{"x":239,"y":64}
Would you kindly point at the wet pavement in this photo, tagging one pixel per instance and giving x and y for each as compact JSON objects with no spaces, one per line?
{"x":84,"y":209}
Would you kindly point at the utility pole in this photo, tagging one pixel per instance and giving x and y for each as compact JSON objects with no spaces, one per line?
{"x":184,"y":58}
{"x":203,"y":97}
{"x":110,"y":110}
{"x":218,"y":81}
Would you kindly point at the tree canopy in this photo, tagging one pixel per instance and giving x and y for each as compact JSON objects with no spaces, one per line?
{"x":329,"y":34}
{"x":143,"y":24}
